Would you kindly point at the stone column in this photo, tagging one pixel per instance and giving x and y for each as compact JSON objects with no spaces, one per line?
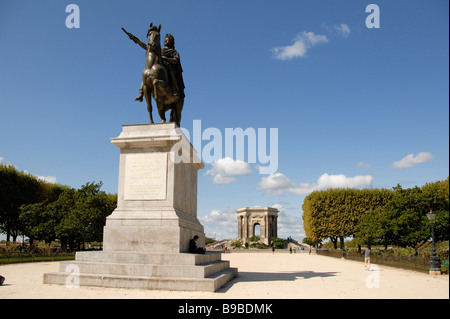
{"x":276,"y":226}
{"x":245,"y":228}
{"x":239,"y":218}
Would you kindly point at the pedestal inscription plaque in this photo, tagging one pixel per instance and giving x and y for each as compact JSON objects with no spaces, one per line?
{"x":145,"y":176}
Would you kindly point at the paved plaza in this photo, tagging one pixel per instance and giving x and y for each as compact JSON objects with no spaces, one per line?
{"x":261,"y":275}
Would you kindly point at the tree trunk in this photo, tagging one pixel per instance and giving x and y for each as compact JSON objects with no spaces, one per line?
{"x":334,"y":241}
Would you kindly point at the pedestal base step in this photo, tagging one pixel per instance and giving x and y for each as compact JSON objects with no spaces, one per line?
{"x":212,"y":283}
{"x":122,"y":257}
{"x":156,"y":271}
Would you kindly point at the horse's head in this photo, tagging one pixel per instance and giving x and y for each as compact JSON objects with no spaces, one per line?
{"x":154,"y":37}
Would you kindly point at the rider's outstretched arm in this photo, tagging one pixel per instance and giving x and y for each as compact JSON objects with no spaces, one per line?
{"x":135,"y":40}
{"x":141,"y":44}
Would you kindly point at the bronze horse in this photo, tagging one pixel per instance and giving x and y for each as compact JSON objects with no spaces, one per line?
{"x":155,"y":80}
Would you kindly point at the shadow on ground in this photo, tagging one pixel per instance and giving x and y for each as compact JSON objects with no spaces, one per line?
{"x":276,"y":276}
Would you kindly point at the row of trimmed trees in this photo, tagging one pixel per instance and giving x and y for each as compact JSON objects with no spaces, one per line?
{"x":47,"y":212}
{"x":377,"y":216}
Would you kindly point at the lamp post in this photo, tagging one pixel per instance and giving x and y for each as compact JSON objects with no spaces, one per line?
{"x":435,"y":263}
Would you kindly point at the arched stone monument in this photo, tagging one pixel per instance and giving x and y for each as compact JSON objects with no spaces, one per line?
{"x":250,"y":217}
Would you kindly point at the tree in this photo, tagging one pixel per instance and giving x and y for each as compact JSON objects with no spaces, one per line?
{"x":16,"y":188}
{"x":40,"y":220}
{"x":85,"y":211}
{"x":436,"y":194}
{"x":336,"y":213}
{"x":45,"y":211}
{"x":373,"y":229}
{"x":65,"y":231}
{"x":309,"y":242}
{"x":377,"y":216}
{"x":209,"y":240}
{"x":278,"y":242}
{"x":406,"y":211}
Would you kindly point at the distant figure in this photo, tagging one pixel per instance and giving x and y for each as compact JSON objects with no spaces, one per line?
{"x":273,"y":250}
{"x":193,"y":246}
{"x":290,"y":250}
{"x":367,"y":253}
{"x":2,"y":280}
{"x":309,"y":250}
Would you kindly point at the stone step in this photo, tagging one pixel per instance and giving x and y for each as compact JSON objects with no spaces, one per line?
{"x":119,"y":257}
{"x":152,"y":270}
{"x":211,"y":283}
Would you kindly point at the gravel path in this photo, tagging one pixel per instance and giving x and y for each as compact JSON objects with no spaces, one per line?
{"x":261,"y":275}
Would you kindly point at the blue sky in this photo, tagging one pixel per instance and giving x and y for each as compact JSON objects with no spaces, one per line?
{"x":354,"y":107}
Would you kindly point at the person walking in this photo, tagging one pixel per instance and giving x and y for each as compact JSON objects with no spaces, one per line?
{"x":367,"y":253}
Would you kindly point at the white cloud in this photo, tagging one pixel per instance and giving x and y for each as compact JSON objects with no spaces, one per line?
{"x":343,"y":29}
{"x":48,"y":179}
{"x":280,"y":207}
{"x":411,"y":160}
{"x":290,"y":225}
{"x":290,"y":222}
{"x":363,"y":165}
{"x":277,"y":183}
{"x":224,"y":170}
{"x":220,"y":224}
{"x":223,"y":179}
{"x":300,"y":45}
{"x":341,"y":181}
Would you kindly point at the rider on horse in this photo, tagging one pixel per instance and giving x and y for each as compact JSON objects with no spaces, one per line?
{"x":162,"y":77}
{"x":171,"y":59}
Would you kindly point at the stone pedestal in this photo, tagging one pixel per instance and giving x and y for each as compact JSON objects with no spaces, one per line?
{"x":157,"y":196}
{"x":146,"y":238}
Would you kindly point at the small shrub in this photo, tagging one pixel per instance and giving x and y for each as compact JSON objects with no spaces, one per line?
{"x":237,"y":243}
{"x":278,"y":243}
{"x":254,"y":239}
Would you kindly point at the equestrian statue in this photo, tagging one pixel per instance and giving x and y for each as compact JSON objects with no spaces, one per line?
{"x":162,"y":76}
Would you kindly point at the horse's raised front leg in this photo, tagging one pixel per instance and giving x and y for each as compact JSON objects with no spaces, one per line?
{"x":148,"y":99}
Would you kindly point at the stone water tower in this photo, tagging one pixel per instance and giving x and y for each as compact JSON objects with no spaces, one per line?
{"x":250,"y":217}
